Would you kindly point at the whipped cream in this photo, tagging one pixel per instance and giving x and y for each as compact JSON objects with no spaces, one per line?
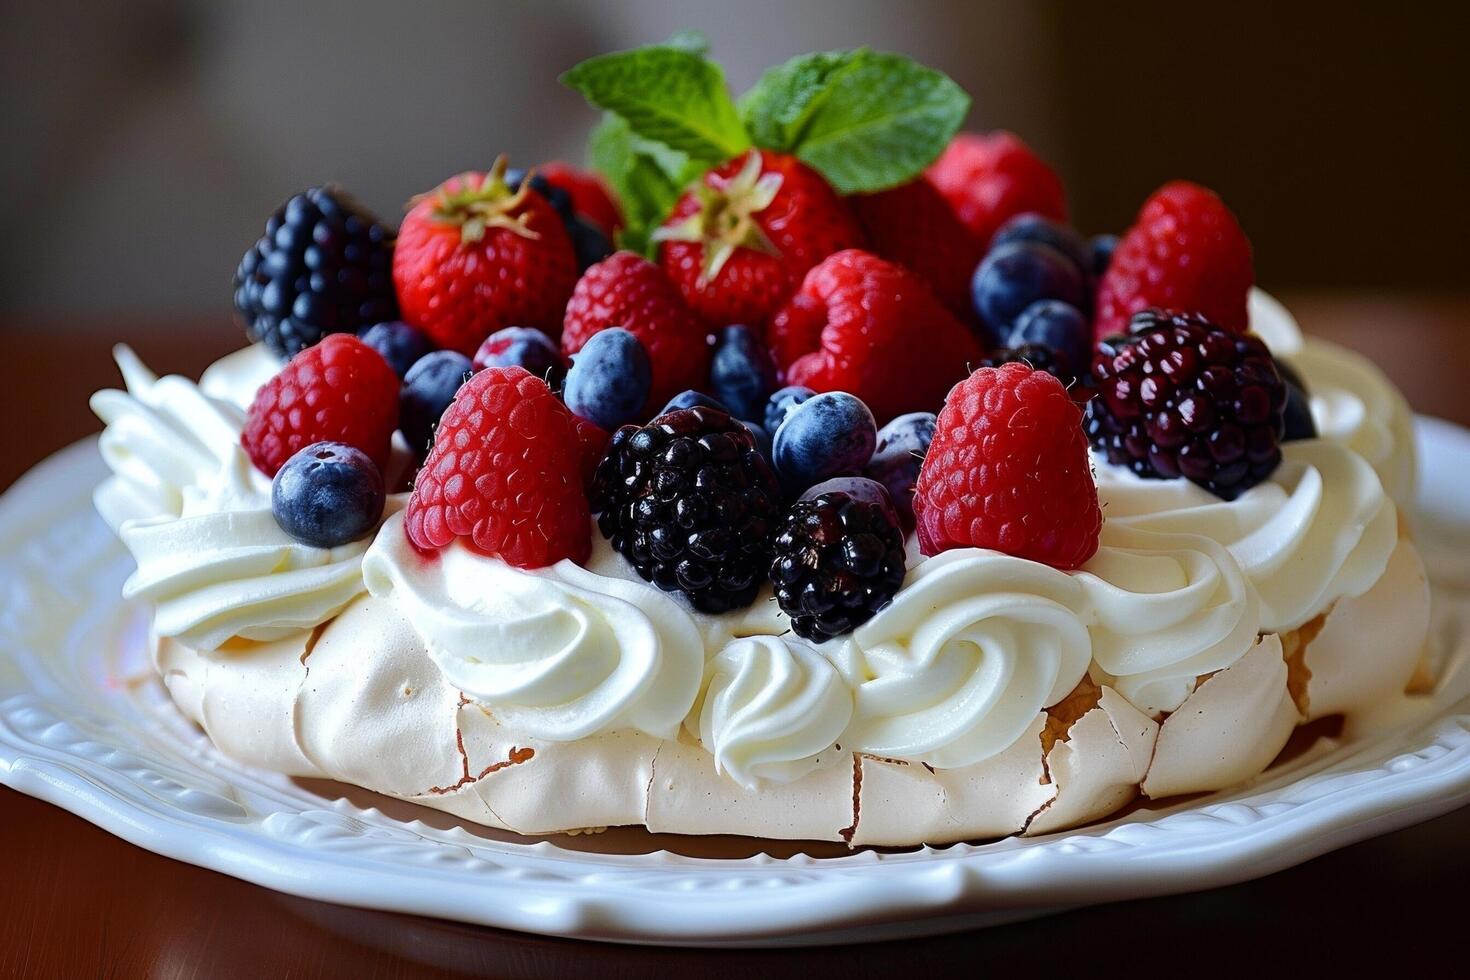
{"x":1354,"y":404}
{"x":1273,"y":323}
{"x":558,"y":653}
{"x":772,"y":709}
{"x":1320,"y":528}
{"x":196,"y":515}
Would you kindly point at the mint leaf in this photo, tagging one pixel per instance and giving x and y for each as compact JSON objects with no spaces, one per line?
{"x":668,"y":95}
{"x":647,"y":177}
{"x":783,"y":100}
{"x":866,"y":120}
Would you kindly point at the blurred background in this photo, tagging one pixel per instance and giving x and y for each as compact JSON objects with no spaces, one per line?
{"x":147,"y":141}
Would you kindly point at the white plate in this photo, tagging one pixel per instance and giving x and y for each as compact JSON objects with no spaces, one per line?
{"x":84,"y":725}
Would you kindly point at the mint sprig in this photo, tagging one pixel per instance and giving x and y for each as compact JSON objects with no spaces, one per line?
{"x":669,"y":95}
{"x":866,"y":120}
{"x":646,"y":176}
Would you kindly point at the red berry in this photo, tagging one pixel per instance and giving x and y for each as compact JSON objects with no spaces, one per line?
{"x":505,"y":475}
{"x":625,"y":290}
{"x":990,"y":177}
{"x":1185,"y":252}
{"x":473,"y":256}
{"x":871,"y":328}
{"x":738,"y":244}
{"x":590,"y":196}
{"x":913,"y":225}
{"x":1008,"y":469}
{"x":341,"y":390}
{"x":593,"y":440}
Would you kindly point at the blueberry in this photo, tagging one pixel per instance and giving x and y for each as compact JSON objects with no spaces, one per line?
{"x":783,"y":401}
{"x":1101,"y":250}
{"x":327,"y":494}
{"x":1299,"y":421}
{"x":1035,"y":228}
{"x":1017,"y":274}
{"x":524,"y":347}
{"x":831,"y":434}
{"x":400,"y":344}
{"x":902,"y":444}
{"x":588,"y":242}
{"x":741,"y":373}
{"x":1059,"y":327}
{"x":559,"y":199}
{"x":609,"y":379}
{"x":692,"y":399}
{"x":427,"y":390}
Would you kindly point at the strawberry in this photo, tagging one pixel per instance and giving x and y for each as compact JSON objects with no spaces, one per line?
{"x":738,"y":243}
{"x":626,"y":290}
{"x":473,"y":256}
{"x":866,"y":326}
{"x":912,"y":224}
{"x":990,"y":177}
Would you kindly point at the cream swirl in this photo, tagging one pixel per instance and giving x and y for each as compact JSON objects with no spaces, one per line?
{"x":196,"y":516}
{"x":558,"y":653}
{"x":957,"y":666}
{"x":1320,"y":528}
{"x":772,"y":709}
{"x":1354,"y":404}
{"x":1273,"y":323}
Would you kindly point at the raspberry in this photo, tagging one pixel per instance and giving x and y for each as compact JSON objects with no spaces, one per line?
{"x":341,"y":390}
{"x":871,"y":328}
{"x":838,"y":558}
{"x":692,"y":504}
{"x":1184,"y":252}
{"x":505,"y":475}
{"x":1008,"y":469}
{"x":1181,"y":397}
{"x":913,"y":225}
{"x":625,"y":290}
{"x":991,"y":177}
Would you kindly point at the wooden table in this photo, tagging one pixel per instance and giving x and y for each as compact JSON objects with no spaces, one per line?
{"x":75,"y":901}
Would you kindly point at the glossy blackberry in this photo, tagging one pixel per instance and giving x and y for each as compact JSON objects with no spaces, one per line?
{"x":1181,"y":397}
{"x":323,"y":266}
{"x":692,"y":505}
{"x":1037,"y":356}
{"x":837,"y":559}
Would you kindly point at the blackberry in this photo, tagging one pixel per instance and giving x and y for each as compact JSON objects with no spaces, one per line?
{"x":1181,"y":397}
{"x":838,"y":558}
{"x":323,"y":266}
{"x":1039,"y":357}
{"x":691,"y":503}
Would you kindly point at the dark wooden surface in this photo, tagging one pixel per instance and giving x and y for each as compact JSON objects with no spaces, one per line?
{"x":75,"y":901}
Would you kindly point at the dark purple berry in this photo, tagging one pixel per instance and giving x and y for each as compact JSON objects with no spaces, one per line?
{"x":1031,"y":227}
{"x":902,"y":444}
{"x":831,"y":434}
{"x":1059,"y":327}
{"x":609,"y":379}
{"x":742,"y":374}
{"x":327,"y":495}
{"x":1017,"y":274}
{"x":524,"y":347}
{"x":400,"y":344}
{"x":782,"y":401}
{"x":428,"y":388}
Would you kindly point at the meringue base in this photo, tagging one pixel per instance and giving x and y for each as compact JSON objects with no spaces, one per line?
{"x":359,"y":701}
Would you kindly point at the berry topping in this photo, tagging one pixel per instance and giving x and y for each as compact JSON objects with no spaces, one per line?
{"x":609,"y":379}
{"x":739,"y":242}
{"x":586,"y":193}
{"x":1185,"y":251}
{"x":913,"y":225}
{"x":1182,"y":397}
{"x":1100,"y":251}
{"x":1008,"y":469}
{"x":1044,"y":231}
{"x":869,"y":327}
{"x":427,"y":391}
{"x":505,"y":475}
{"x":524,"y":347}
{"x":988,"y":178}
{"x":327,"y":495}
{"x":693,"y":399}
{"x":1297,"y":421}
{"x":1060,"y":328}
{"x":626,"y":290}
{"x":831,"y":434}
{"x":589,"y":244}
{"x":902,"y":445}
{"x":692,"y":505}
{"x":783,"y":400}
{"x":474,"y":256}
{"x":341,"y":390}
{"x":323,"y":266}
{"x":1018,"y":274}
{"x":741,"y":374}
{"x":837,"y":559}
{"x":400,"y":344}
{"x":1036,"y":356}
